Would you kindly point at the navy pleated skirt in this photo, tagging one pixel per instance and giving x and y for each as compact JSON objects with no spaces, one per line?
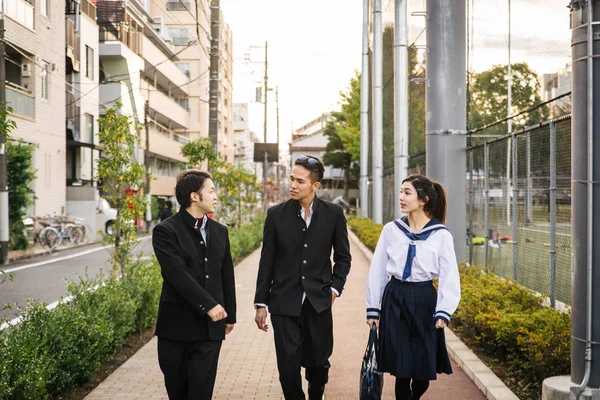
{"x":409,"y":344}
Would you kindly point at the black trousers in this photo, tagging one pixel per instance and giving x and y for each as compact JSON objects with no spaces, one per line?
{"x":305,"y":341}
{"x":190,"y":368}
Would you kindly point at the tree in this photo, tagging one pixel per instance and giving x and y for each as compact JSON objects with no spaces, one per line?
{"x":7,"y":125}
{"x":343,"y":133}
{"x":121,"y":178}
{"x":489,"y":97}
{"x":19,"y":162}
{"x":416,"y":104}
{"x":336,"y":154}
{"x":237,"y":187}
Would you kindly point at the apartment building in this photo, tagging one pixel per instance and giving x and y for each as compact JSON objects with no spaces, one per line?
{"x":191,"y":38}
{"x":82,"y":93}
{"x":244,"y":140}
{"x":138,"y":66}
{"x":555,"y":85}
{"x":35,"y":89}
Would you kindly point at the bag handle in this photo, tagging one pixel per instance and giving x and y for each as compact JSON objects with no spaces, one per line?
{"x":373,"y":344}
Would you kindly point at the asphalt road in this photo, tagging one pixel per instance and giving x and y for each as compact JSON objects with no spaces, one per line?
{"x":44,"y":278}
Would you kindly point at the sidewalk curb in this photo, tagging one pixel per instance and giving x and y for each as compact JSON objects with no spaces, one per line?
{"x":489,"y":384}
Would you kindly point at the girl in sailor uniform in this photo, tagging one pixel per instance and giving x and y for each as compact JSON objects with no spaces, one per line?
{"x":410,"y":254}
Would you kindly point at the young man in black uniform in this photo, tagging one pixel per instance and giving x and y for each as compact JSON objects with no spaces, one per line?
{"x":297,"y":281}
{"x":197,"y":304}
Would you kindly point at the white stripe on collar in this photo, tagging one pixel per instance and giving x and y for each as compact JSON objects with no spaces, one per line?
{"x":436,"y":226}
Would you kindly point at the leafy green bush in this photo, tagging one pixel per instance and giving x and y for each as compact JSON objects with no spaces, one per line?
{"x":367,"y":231}
{"x":510,"y":322}
{"x":53,"y":350}
{"x":21,"y":173}
{"x":246,"y":238}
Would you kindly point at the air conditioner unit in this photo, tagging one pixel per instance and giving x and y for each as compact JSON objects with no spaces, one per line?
{"x":158,"y":24}
{"x":25,"y":70}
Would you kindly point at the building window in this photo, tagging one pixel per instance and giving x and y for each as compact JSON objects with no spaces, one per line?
{"x":185,"y":68}
{"x":89,"y":127}
{"x":183,"y":103}
{"x":45,"y":80}
{"x":181,"y":36}
{"x":44,"y":7}
{"x":89,"y":62}
{"x":178,"y":5}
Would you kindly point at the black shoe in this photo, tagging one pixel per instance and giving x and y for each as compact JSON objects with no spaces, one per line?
{"x":315,"y":392}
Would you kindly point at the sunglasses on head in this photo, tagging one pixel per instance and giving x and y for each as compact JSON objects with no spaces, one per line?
{"x":308,"y":159}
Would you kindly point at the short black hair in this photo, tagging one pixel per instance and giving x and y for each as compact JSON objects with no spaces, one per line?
{"x":188,"y":182}
{"x":169,"y":204}
{"x":317,"y":169}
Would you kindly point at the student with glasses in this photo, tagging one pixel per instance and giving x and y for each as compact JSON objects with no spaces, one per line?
{"x":197,"y":303}
{"x":296,"y":281}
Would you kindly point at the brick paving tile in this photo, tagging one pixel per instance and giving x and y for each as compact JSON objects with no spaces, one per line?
{"x":247,"y":365}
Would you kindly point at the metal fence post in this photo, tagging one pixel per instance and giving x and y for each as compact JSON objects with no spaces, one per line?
{"x":486,"y":207}
{"x":529,"y":193}
{"x":471,"y":201}
{"x":553,"y":214}
{"x":515,"y":204}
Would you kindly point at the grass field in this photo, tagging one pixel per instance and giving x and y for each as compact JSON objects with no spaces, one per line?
{"x":533,"y":251}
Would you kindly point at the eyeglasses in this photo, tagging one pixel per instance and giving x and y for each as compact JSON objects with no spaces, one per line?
{"x":308,"y":159}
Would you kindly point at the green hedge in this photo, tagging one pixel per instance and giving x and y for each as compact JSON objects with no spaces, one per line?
{"x":505,"y":320}
{"x":510,"y":323}
{"x":367,"y":231}
{"x":246,"y":238}
{"x":52,"y":351}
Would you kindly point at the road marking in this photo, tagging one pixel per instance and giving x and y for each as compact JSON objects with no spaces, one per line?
{"x":83,"y":253}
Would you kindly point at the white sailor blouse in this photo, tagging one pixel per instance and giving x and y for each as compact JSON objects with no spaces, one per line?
{"x":433,"y":257}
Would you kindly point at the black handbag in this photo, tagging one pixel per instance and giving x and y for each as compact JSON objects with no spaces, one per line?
{"x":371,"y":380}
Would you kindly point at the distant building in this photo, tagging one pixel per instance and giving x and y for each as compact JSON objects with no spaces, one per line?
{"x":554,"y":85}
{"x":244,"y":140}
{"x":310,"y":139}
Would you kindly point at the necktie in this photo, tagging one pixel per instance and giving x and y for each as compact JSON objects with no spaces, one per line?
{"x":428,"y":229}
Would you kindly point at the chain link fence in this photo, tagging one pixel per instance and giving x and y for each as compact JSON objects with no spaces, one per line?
{"x":519,"y":207}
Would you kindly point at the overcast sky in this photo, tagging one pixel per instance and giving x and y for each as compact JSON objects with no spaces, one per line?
{"x":315,"y":48}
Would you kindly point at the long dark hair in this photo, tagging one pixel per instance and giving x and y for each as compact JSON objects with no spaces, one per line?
{"x":432,"y":193}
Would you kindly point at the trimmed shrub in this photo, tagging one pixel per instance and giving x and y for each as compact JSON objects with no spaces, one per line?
{"x":509,"y":322}
{"x":367,"y":231}
{"x":246,"y":238}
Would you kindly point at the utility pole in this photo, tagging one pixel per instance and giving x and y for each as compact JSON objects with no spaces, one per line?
{"x":585,"y":164}
{"x":400,"y":99}
{"x":266,"y":161}
{"x":278,"y":172}
{"x":447,"y":110}
{"x":509,"y":140}
{"x":215,"y":32}
{"x":3,"y":173}
{"x":364,"y":116}
{"x":377,"y":113}
{"x":147,"y":163}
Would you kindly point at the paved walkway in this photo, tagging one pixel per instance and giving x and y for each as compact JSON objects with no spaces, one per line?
{"x":247,"y":366}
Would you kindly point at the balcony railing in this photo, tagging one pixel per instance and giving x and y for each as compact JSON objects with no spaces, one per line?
{"x":21,"y":11}
{"x":88,"y":9}
{"x":119,"y":32}
{"x":73,"y":45}
{"x":21,"y":100}
{"x":85,"y":7}
{"x":179,"y":5}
